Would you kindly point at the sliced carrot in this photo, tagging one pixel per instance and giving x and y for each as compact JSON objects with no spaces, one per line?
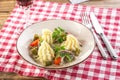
{"x":35,"y":43}
{"x":57,"y":61}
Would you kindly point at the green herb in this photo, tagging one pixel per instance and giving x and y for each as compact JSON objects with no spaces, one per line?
{"x":68,"y":58}
{"x":62,"y":54}
{"x":58,"y":48}
{"x":59,"y":35}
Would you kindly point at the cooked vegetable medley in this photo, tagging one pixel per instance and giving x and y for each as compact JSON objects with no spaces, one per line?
{"x":54,"y":48}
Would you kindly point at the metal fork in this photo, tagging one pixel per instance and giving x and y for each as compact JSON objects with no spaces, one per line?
{"x":87,"y":23}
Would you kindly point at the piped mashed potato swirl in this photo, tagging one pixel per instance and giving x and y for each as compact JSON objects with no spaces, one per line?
{"x":47,"y":36}
{"x":72,"y":44}
{"x":45,"y":53}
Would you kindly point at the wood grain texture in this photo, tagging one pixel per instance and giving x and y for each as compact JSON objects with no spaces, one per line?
{"x":14,"y":76}
{"x":6,"y":6}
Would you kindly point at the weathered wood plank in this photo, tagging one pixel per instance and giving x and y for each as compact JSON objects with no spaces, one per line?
{"x":14,"y":76}
{"x":7,"y":5}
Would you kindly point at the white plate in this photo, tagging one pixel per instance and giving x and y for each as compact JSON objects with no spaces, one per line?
{"x":80,"y":31}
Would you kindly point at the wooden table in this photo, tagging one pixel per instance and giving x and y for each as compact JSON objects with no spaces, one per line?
{"x":6,"y":7}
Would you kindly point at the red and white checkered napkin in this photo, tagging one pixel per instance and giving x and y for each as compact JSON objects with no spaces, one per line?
{"x":92,"y":68}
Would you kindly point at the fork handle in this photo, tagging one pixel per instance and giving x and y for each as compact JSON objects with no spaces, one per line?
{"x":103,"y":53}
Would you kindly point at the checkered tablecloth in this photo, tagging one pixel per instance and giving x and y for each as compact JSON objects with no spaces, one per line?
{"x":93,"y":68}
